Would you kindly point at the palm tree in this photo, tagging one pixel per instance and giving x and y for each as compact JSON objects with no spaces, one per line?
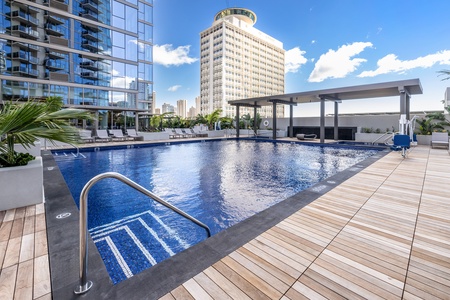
{"x":26,"y":122}
{"x":213,"y":118}
{"x":445,"y":73}
{"x":432,"y":122}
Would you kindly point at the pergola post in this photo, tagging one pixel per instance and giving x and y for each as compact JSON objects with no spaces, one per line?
{"x":336,"y":120}
{"x":237,"y":121}
{"x":291,"y":119}
{"x":322,"y":120}
{"x":254,"y":119}
{"x":408,"y":97}
{"x":274,"y":116}
{"x":136,"y":121}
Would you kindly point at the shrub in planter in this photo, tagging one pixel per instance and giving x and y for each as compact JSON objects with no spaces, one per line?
{"x":24,"y":123}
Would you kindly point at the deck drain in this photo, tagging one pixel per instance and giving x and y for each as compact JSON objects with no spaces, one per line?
{"x":318,"y":188}
{"x":331,"y":182}
{"x":63,"y":215}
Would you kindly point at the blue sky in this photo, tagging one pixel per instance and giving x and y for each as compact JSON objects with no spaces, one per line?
{"x":328,"y":43}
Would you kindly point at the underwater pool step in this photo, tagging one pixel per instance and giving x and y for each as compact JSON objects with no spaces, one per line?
{"x":131,"y":245}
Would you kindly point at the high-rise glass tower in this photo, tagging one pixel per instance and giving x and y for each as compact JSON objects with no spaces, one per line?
{"x":95,"y":54}
{"x":239,"y":61}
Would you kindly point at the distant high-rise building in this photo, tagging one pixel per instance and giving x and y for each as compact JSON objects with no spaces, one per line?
{"x":166,"y":107}
{"x":197,"y":104}
{"x":192,"y":113}
{"x":153,"y":103}
{"x":238,"y":61}
{"x":181,"y":108}
{"x":157,"y":111}
{"x":92,"y":53}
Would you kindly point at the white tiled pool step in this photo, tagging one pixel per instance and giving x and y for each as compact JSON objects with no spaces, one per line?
{"x":116,"y":239}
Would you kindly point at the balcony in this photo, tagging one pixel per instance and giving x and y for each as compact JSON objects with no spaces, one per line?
{"x":89,"y":35}
{"x":91,"y":65}
{"x":89,"y":15}
{"x":24,"y":56}
{"x":55,"y":55}
{"x":61,"y":5}
{"x":24,"y":71}
{"x":53,"y":19}
{"x":92,"y":28}
{"x":24,"y":18}
{"x":55,"y":65}
{"x":92,"y":46}
{"x":24,"y":31}
{"x":90,"y":5}
{"x":54,"y":30}
{"x":26,"y":47}
{"x":89,"y":75}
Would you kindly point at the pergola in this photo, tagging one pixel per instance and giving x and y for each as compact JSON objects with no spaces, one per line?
{"x":404,"y":89}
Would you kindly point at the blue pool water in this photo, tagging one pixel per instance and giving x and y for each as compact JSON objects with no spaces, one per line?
{"x":218,"y":182}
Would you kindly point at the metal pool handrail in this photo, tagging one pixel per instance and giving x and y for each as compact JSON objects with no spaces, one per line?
{"x":85,"y":284}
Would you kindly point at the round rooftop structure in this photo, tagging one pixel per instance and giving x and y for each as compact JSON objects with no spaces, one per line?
{"x":243,"y":14}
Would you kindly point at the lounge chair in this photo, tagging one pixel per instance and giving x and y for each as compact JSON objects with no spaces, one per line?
{"x":102,"y":136}
{"x":306,"y":136}
{"x":199,"y":133}
{"x":172,"y":134}
{"x":402,"y":142}
{"x":133,"y":134}
{"x":180,"y":133}
{"x":117,"y":135}
{"x":86,"y":136}
{"x":439,"y":139}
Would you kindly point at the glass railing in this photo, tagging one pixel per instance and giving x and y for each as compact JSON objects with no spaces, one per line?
{"x":56,"y":64}
{"x":55,"y":28}
{"x":26,"y":30}
{"x":25,"y":16}
{"x":56,"y":55}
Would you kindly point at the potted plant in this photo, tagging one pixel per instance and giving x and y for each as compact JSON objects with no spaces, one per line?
{"x":23,"y":123}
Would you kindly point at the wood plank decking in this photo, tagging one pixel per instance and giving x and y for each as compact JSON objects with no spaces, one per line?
{"x":382,"y":234}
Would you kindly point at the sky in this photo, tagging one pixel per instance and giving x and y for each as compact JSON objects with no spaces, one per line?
{"x":328,"y":43}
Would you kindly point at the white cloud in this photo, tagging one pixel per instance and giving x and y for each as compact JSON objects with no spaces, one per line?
{"x":313,"y":41}
{"x":167,"y":56}
{"x":391,"y":64}
{"x":339,"y":63}
{"x":174,"y":88}
{"x":294,"y":59}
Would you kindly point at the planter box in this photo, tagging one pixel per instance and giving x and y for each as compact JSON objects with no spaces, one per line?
{"x":152,"y":136}
{"x":424,"y":140}
{"x":22,"y":186}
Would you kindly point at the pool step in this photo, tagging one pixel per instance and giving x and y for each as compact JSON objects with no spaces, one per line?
{"x":135,"y":243}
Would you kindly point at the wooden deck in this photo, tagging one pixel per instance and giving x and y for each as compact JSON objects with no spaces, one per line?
{"x":25,"y":272}
{"x":382,"y":234}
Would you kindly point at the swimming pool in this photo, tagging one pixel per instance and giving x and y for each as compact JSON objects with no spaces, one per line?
{"x":218,"y":182}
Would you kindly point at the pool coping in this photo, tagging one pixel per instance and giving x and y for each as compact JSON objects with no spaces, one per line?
{"x":63,"y":239}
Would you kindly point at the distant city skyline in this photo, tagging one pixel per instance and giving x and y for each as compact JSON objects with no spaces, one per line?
{"x":328,"y":45}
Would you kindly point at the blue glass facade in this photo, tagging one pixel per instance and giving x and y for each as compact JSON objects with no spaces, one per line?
{"x":96,"y":54}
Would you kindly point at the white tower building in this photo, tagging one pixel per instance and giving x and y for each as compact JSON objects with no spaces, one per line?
{"x":238,"y":61}
{"x":181,"y":108}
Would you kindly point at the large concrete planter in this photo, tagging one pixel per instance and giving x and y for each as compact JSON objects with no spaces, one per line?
{"x":424,"y":140}
{"x":22,"y":186}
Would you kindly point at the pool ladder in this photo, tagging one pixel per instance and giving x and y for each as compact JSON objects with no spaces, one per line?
{"x":86,"y":284}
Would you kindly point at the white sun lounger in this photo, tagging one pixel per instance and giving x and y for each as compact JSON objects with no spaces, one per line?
{"x":102,"y":136}
{"x":133,"y":134}
{"x":439,"y":139}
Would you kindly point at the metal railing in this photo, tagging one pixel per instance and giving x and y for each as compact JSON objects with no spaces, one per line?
{"x":86,"y":284}
{"x":383,"y":136}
